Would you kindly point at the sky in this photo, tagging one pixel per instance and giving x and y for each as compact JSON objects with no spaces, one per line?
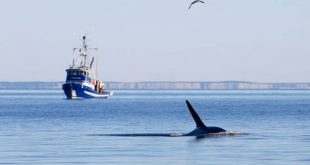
{"x":143,"y":40}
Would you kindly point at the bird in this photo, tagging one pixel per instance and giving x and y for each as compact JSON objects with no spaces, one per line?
{"x":196,"y":1}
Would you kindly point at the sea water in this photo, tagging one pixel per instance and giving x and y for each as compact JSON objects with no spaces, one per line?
{"x":42,"y":127}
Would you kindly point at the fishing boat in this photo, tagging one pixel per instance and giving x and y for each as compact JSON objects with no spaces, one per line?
{"x":82,"y":80}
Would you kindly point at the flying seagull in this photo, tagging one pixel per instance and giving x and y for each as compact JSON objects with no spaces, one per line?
{"x":196,"y":1}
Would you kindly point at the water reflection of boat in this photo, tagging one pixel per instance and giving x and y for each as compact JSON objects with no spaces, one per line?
{"x":82,"y":81}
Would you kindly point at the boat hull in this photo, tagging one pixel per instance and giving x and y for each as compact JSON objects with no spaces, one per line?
{"x":80,"y":91}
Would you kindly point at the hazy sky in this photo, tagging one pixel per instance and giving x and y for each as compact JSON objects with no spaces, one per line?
{"x":160,"y":40}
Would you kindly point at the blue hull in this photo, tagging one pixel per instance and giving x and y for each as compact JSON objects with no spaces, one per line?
{"x":79,"y":91}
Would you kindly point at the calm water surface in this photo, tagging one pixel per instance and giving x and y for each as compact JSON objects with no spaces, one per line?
{"x":42,"y":127}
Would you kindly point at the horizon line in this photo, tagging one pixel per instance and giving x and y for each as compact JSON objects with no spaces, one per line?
{"x":164,"y":81}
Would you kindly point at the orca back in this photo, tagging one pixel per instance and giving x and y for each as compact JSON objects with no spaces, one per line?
{"x":215,"y":129}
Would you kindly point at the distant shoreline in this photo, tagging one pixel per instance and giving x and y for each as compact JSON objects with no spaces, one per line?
{"x":220,"y":85}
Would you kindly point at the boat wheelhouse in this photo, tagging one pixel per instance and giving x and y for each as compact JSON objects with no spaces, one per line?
{"x":82,"y":81}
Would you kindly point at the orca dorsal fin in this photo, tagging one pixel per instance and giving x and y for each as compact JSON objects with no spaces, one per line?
{"x":198,"y":121}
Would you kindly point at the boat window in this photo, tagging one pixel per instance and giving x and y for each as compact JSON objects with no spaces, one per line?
{"x":81,"y":73}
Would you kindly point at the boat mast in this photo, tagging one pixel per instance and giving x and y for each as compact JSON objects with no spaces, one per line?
{"x":84,"y":53}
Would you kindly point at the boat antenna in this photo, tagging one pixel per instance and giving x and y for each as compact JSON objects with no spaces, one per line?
{"x":73,"y":61}
{"x":91,"y":63}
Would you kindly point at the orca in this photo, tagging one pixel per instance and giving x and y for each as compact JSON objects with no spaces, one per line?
{"x":200,"y":131}
{"x":201,"y":128}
